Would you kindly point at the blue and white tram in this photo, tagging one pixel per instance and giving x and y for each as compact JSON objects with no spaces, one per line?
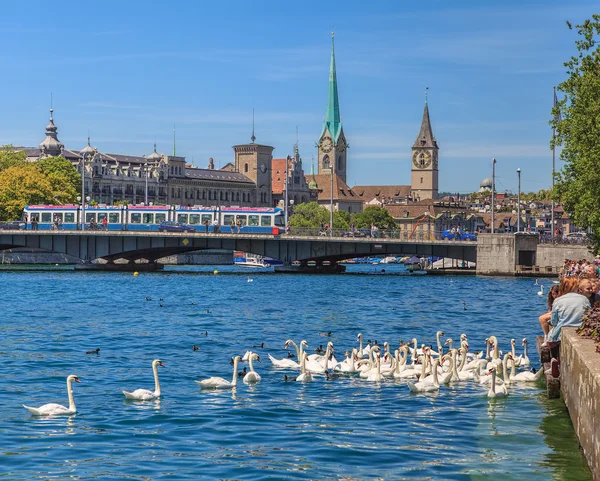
{"x":252,"y":220}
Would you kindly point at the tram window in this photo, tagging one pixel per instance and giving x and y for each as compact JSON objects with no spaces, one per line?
{"x":158,"y":218}
{"x":89,"y":216}
{"x":183,"y":218}
{"x":227,"y":218}
{"x":69,"y":217}
{"x":206,"y":217}
{"x":136,"y":218}
{"x":279,"y":220}
{"x":265,"y":220}
{"x":114,"y":218}
{"x":46,"y":217}
{"x":101,"y":216}
{"x":147,"y":218}
{"x":253,"y":220}
{"x":194,"y":219}
{"x":241,"y":219}
{"x":58,"y":216}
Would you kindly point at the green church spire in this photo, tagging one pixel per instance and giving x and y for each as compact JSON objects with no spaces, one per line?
{"x":332,"y":117}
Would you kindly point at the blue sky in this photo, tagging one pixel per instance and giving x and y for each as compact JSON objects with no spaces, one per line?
{"x":128,"y":71}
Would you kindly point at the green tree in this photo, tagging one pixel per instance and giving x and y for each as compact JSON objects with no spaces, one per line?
{"x":11,"y":158}
{"x":312,"y":215}
{"x":374,"y":215}
{"x":22,"y":185}
{"x":62,"y":171}
{"x":576,"y":120}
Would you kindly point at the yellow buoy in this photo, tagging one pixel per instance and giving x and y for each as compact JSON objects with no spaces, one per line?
{"x":136,"y":273}
{"x":215,"y":272}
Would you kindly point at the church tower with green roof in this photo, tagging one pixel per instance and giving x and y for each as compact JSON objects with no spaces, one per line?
{"x":332,"y":145}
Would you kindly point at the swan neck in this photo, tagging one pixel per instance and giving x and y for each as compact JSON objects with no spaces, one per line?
{"x":296,"y":348}
{"x":525,"y":350}
{"x":235,"y":376}
{"x":463,"y":360}
{"x":156,"y":381}
{"x":453,"y":361}
{"x":505,"y":370}
{"x":70,"y":394}
{"x":250,"y":362}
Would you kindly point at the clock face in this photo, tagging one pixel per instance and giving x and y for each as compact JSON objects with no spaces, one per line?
{"x":422,"y":159}
{"x":341,"y":145}
{"x":326,"y":144}
{"x":263,"y":167}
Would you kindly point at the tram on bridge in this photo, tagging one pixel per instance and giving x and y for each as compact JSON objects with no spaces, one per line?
{"x":251,"y":220}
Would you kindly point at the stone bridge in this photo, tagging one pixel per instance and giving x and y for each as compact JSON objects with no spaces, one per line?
{"x":129,"y":247}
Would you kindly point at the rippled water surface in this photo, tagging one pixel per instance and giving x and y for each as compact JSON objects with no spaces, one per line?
{"x":339,"y":429}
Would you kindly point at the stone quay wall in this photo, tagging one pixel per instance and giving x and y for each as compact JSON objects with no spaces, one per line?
{"x":580,"y":387}
{"x":555,"y":255}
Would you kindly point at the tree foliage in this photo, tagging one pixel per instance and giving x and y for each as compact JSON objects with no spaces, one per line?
{"x":576,"y":120}
{"x":374,"y":215}
{"x":49,"y":181}
{"x":22,"y":185}
{"x":312,"y":215}
{"x":62,"y":171}
{"x":11,"y":158}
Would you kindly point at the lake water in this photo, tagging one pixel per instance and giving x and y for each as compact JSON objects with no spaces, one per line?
{"x":339,"y":429}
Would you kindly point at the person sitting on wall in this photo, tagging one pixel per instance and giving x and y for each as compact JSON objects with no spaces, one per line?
{"x":567,"y":311}
{"x":545,"y":318}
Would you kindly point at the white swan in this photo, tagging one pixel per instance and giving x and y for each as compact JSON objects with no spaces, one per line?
{"x":516,"y":360}
{"x":347,"y":365}
{"x":219,"y":382}
{"x":288,"y":363}
{"x":252,"y":375}
{"x":438,"y":335}
{"x":460,"y":374}
{"x":53,"y":409}
{"x":541,"y":291}
{"x":496,"y":391}
{"x":321,"y":365}
{"x":375,"y":374}
{"x":525,"y":359}
{"x":525,"y":376}
{"x":423,"y":386}
{"x":305,"y":376}
{"x":145,"y":394}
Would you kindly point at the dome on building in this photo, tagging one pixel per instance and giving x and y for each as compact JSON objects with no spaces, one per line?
{"x":88,"y":150}
{"x":487,"y":182}
{"x":154,"y":156}
{"x":51,"y":145}
{"x":485,"y":185}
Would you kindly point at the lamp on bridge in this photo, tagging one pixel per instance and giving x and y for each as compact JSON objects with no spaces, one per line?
{"x":427,"y":213}
{"x":79,"y":213}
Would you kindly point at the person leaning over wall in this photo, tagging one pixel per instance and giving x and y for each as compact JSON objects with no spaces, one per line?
{"x":567,"y":311}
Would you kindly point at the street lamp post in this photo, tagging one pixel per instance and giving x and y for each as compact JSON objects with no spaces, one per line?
{"x":285,"y":201}
{"x":331,"y":203}
{"x":519,"y":201}
{"x":493,"y":190}
{"x":83,"y":192}
{"x":78,"y":211}
{"x":146,"y":193}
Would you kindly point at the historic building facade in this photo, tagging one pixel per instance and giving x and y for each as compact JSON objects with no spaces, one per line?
{"x":329,"y":186}
{"x":167,"y":179}
{"x":290,"y":171}
{"x":332,"y":145}
{"x":424,"y":174}
{"x":254,"y":161}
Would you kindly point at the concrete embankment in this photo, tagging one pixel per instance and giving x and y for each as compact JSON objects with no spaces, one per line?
{"x":580,"y":387}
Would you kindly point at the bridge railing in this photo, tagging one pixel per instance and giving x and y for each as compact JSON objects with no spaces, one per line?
{"x":402,"y":235}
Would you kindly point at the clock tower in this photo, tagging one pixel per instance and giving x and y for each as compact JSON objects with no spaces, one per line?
{"x":332,"y":145}
{"x":424,"y":179}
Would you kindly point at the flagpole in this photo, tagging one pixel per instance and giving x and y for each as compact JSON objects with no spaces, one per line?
{"x":553,"y":163}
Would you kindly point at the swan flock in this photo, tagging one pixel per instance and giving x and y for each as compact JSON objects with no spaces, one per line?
{"x":424,"y":368}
